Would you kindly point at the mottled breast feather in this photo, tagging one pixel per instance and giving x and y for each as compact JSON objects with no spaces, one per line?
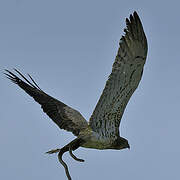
{"x":64,"y":116}
{"x":125,"y":76}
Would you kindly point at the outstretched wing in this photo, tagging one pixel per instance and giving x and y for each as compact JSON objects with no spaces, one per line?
{"x":64,"y":116}
{"x":125,"y":76}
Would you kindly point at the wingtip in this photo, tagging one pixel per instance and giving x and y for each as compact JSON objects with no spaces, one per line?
{"x":135,"y":13}
{"x":127,"y":21}
{"x":17,"y":71}
{"x":11,"y":76}
{"x":16,"y":79}
{"x":136,"y":16}
{"x":7,"y":70}
{"x":131,"y":17}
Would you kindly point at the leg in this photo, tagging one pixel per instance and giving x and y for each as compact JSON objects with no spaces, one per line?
{"x":73,"y":145}
{"x":70,"y":152}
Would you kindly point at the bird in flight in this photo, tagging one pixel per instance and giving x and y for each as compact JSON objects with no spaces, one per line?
{"x":102,"y":130}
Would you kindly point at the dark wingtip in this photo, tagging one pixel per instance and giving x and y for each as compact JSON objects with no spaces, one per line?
{"x":17,"y":80}
{"x":127,"y":21}
{"x":34,"y":82}
{"x":136,"y":16}
{"x":131,"y":17}
{"x":135,"y":13}
{"x":11,"y":76}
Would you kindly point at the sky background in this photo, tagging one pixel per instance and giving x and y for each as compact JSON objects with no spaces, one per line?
{"x":69,"y":48}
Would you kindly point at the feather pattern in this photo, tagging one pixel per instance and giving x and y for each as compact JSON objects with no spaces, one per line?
{"x":64,"y":116}
{"x":125,"y":76}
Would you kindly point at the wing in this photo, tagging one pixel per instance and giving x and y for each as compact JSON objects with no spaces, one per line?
{"x":125,"y":76}
{"x":64,"y":116}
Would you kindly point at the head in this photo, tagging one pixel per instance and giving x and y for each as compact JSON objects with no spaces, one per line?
{"x":121,"y":143}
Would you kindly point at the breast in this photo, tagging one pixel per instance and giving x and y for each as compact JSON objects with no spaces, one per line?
{"x":96,"y":142}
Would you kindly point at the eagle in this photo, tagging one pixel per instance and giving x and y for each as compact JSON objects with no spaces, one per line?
{"x":102,"y":130}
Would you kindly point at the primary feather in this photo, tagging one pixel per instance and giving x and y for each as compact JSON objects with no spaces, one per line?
{"x":64,"y":116}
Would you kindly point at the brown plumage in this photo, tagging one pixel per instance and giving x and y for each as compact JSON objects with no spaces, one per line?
{"x":102,"y":131}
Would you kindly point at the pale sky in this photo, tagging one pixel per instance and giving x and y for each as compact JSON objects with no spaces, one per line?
{"x":69,"y":47}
